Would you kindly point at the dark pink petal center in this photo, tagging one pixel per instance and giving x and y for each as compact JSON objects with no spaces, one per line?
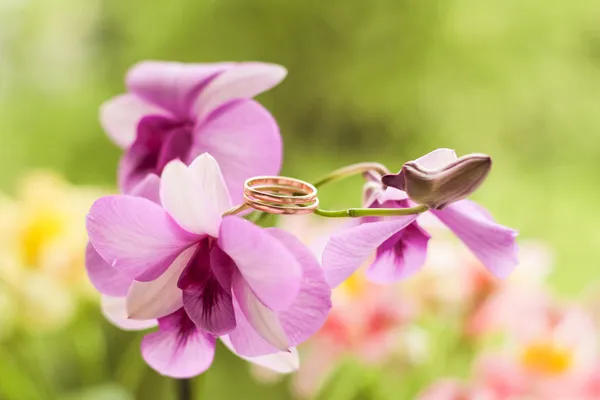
{"x":178,"y":349}
{"x":180,"y":323}
{"x":395,"y":244}
{"x":403,"y":253}
{"x":159,"y":140}
{"x":206,"y":297}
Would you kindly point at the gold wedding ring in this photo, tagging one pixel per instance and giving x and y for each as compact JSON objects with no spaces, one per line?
{"x":280,"y":195}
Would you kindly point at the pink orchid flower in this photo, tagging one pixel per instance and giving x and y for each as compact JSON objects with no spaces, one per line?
{"x":201,"y":275}
{"x":178,"y":111}
{"x":400,"y":243}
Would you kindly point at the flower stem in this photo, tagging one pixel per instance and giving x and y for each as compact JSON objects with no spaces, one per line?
{"x":350,"y":170}
{"x":371,"y":212}
{"x":184,"y":389}
{"x":237,"y":209}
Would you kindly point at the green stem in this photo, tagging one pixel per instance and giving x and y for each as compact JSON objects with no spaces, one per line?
{"x":184,"y":389}
{"x":350,"y":170}
{"x":370,"y":212}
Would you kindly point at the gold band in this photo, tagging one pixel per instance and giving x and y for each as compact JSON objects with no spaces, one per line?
{"x":280,"y":195}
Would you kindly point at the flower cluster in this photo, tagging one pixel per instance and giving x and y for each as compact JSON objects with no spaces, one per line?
{"x":164,"y":253}
{"x":176,"y":250}
{"x":548,"y":350}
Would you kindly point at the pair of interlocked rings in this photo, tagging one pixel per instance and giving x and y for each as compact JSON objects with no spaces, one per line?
{"x":280,"y":195}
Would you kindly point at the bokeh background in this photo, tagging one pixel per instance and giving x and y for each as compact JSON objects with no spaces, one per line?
{"x":383,"y":80}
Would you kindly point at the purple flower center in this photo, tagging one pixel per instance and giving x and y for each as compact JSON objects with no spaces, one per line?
{"x":184,"y":325}
{"x":396,"y":245}
{"x":206,"y":286}
{"x":160,"y":140}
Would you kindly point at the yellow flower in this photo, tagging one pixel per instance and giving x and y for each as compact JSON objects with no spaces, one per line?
{"x":42,"y":247}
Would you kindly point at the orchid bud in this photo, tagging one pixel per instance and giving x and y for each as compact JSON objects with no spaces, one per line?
{"x":448,"y":184}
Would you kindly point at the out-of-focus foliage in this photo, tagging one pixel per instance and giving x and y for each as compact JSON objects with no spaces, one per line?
{"x":385,"y":80}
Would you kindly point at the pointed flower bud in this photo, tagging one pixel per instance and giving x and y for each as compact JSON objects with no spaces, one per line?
{"x":439,"y":178}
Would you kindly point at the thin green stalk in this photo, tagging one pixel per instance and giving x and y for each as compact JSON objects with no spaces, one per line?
{"x":350,"y":170}
{"x":370,"y":212}
{"x":184,"y":389}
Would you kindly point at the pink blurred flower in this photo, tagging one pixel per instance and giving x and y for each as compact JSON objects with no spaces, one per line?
{"x":368,"y":322}
{"x":550,"y":350}
{"x":201,"y":275}
{"x":179,"y":111}
{"x":400,"y":243}
{"x":454,"y":283}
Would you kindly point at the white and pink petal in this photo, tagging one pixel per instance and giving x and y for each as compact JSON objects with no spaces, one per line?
{"x":120,"y":116}
{"x":114,"y":310}
{"x":263,"y":320}
{"x":437,"y":159}
{"x":195,"y":196}
{"x":284,"y":362}
{"x":160,"y":297}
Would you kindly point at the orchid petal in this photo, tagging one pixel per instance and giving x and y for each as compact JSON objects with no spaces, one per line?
{"x":161,"y":296}
{"x":271,"y":271}
{"x":178,"y":349}
{"x":148,"y":188}
{"x":492,"y":243}
{"x":105,"y":278}
{"x":242,"y":81}
{"x":195,"y":196}
{"x":171,"y":85}
{"x":244,"y":139}
{"x":347,"y":250}
{"x":263,"y":320}
{"x":307,"y":314}
{"x":113,"y":308}
{"x":400,"y":256}
{"x":436,"y":159}
{"x":120,"y":116}
{"x":390,"y":194}
{"x":244,"y":338}
{"x":135,"y":236}
{"x":302,"y":319}
{"x":283,"y":362}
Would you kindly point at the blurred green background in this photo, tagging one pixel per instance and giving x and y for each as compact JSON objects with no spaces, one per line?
{"x":383,"y":80}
